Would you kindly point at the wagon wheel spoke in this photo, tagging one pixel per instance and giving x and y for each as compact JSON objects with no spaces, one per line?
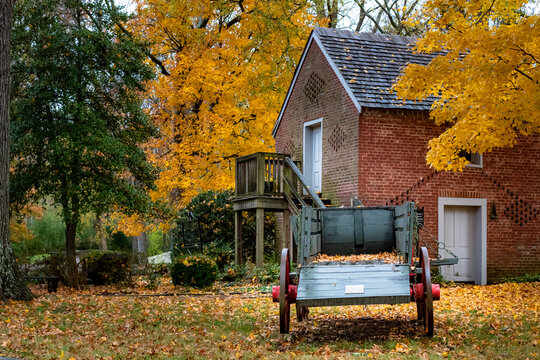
{"x":284,"y":305}
{"x":427,"y":303}
{"x":420,"y":310}
{"x":419,"y":303}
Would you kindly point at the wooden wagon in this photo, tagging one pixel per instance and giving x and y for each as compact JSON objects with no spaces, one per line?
{"x":350,"y":231}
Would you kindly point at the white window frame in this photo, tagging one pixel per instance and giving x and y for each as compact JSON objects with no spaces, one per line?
{"x":481,"y":249}
{"x":480,"y":162}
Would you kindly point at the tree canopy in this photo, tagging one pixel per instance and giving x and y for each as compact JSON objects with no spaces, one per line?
{"x":486,"y":77}
{"x":77,"y":118}
{"x":225,"y":68}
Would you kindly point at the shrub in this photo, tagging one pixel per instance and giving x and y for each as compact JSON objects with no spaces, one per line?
{"x":208,"y":220}
{"x":268,"y":274}
{"x":117,"y":240}
{"x":108,"y":268}
{"x":193,"y":270}
{"x":222,"y":255}
{"x":234,"y":273}
{"x":522,"y":278}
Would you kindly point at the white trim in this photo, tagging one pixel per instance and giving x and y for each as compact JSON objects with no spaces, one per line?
{"x":338,"y":73}
{"x":481,"y":253}
{"x":313,"y":122}
{"x":297,"y":72}
{"x":307,"y":125}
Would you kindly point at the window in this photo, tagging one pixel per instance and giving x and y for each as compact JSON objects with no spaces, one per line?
{"x":475,"y":159}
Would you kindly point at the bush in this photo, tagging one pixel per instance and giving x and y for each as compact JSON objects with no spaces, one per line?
{"x":222,"y":255}
{"x":208,"y":220}
{"x":193,"y":270}
{"x":117,"y":240}
{"x":268,"y":274}
{"x":234,"y":273}
{"x":522,"y":278}
{"x":108,"y":268}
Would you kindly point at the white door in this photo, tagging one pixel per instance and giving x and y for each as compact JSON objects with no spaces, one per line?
{"x":317,"y":158}
{"x":460,"y":237}
{"x":312,"y":163}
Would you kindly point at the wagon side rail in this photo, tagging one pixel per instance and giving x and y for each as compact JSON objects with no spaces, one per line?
{"x":404,"y":228}
{"x":309,"y":234}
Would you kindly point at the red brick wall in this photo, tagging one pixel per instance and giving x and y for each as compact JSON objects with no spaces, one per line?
{"x":339,"y":128}
{"x":392,"y":168}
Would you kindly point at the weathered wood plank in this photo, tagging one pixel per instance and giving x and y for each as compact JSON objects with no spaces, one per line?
{"x":327,"y":285}
{"x":368,"y":300}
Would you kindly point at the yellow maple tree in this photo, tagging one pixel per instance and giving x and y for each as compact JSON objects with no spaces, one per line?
{"x":486,"y":77}
{"x":225,"y":68}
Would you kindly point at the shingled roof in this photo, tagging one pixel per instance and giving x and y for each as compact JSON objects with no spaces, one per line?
{"x":368,"y":65}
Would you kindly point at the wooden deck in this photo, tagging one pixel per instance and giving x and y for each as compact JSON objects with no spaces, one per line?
{"x":342,"y":284}
{"x":268,"y":182}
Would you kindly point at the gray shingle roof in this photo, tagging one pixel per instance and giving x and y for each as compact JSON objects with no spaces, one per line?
{"x":371,"y":63}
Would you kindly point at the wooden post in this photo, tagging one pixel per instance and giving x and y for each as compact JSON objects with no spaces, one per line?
{"x":238,"y":237}
{"x":287,"y":238}
{"x":259,"y":242}
{"x":260,"y":174}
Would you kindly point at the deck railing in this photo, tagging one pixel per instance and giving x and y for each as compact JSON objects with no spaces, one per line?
{"x":260,"y":174}
{"x":272,"y":175}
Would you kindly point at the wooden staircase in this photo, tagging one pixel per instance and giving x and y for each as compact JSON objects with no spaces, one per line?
{"x":269,"y":182}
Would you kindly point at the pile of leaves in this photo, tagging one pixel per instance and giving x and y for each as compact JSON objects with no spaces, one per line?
{"x":385,"y":257}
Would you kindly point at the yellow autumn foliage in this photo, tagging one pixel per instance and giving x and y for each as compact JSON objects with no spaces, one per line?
{"x":486,"y":79}
{"x":18,"y":227}
{"x":226,"y":68}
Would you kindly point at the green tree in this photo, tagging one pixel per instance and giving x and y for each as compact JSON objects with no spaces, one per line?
{"x":77,"y":113}
{"x":11,"y":282}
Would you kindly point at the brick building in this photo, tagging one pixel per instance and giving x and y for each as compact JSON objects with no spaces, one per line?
{"x":355,"y":139}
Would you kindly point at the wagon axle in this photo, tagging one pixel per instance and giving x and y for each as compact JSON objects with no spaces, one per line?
{"x":290,"y":295}
{"x":417,"y":292}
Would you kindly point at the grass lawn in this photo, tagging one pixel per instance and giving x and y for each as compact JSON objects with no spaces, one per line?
{"x":473,"y":322}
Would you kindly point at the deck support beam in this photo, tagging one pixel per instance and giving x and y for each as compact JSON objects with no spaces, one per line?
{"x":287,"y":235}
{"x":238,"y":237}
{"x":259,"y":237}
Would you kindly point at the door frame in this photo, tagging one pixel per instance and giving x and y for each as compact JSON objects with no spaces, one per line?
{"x":480,"y":254}
{"x":306,"y":165}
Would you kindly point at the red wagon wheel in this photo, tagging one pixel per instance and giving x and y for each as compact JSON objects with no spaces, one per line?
{"x":284,"y":304}
{"x":425,"y":305}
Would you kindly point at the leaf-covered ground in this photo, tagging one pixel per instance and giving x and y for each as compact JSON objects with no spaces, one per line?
{"x":495,"y":322}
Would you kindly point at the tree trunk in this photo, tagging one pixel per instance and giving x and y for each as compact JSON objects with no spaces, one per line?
{"x":12,"y":285}
{"x":72,"y":276}
{"x":100,"y":234}
{"x":139,"y":247}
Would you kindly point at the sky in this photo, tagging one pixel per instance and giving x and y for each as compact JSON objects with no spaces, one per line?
{"x":129,"y":4}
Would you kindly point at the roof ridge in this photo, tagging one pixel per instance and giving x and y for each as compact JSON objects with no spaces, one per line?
{"x":363,"y":36}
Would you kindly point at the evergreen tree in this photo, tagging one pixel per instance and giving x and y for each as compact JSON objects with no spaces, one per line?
{"x":77,"y":118}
